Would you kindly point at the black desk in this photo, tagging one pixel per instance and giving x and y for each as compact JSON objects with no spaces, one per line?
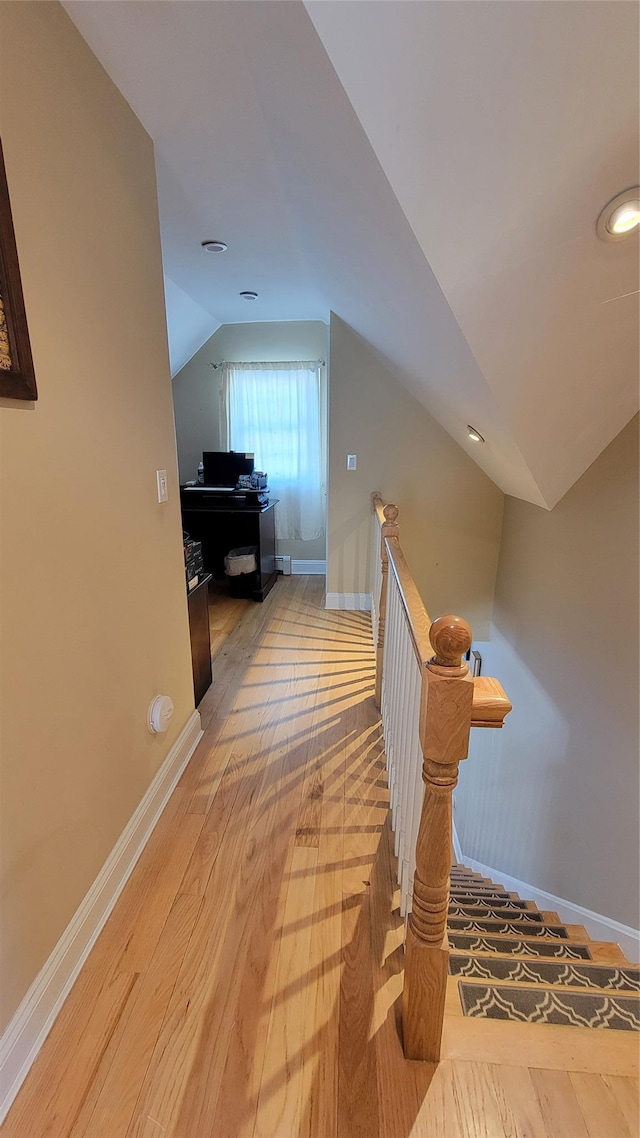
{"x":222,"y":525}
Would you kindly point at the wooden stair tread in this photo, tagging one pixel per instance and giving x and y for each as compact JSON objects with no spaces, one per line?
{"x":607,"y":952}
{"x":602,"y":952}
{"x":542,"y":1046}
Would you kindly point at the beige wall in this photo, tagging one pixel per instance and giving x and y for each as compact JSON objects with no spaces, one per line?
{"x":552,"y":799}
{"x":196,"y":391}
{"x":450,"y":512}
{"x":94,"y":618}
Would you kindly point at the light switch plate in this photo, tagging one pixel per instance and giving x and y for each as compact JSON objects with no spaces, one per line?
{"x":352,"y":460}
{"x":163,"y":491}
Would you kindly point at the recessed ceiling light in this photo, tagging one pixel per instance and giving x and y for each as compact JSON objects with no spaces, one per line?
{"x":214,"y":246}
{"x":621,"y":216}
{"x":249,"y":295}
{"x":475,"y":435}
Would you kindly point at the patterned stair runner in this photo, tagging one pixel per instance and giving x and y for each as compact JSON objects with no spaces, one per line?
{"x":608,"y":977}
{"x":512,"y":928}
{"x":541,"y":1005}
{"x":501,"y":913}
{"x":505,"y":974}
{"x":500,"y":900}
{"x":479,"y":890}
{"x":519,"y":947}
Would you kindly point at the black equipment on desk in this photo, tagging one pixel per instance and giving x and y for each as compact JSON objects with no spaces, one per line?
{"x":255,"y":481}
{"x":223,"y":468}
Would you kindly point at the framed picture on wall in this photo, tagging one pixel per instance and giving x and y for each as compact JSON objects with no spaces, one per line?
{"x":17,"y":377}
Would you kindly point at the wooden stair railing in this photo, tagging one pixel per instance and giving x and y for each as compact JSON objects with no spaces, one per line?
{"x":451,"y":702}
{"x":387,"y":521}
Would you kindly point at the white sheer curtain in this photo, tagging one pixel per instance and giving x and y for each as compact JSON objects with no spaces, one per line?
{"x":274,"y":410}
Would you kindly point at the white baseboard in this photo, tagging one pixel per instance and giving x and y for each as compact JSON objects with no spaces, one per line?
{"x":359,"y":601}
{"x":316,"y":568}
{"x":598,"y":926}
{"x":35,"y":1016}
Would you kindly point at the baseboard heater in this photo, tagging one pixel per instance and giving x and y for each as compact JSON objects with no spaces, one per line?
{"x":293,"y":566}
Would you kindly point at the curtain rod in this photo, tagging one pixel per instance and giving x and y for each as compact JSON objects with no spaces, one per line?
{"x":266,"y":363}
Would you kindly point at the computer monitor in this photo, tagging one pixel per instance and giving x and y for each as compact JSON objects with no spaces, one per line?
{"x":224,"y":467}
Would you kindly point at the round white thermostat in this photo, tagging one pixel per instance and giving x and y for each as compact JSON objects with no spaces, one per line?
{"x":160,"y":712}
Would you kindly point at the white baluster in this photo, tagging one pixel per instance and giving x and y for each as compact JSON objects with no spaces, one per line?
{"x":388,"y":680}
{"x":398,"y":756}
{"x":414,"y":779}
{"x":407,"y":660}
{"x":393,"y":687}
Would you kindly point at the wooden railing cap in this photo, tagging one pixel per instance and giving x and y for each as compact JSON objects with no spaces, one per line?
{"x":491,"y":703}
{"x":391,"y":513}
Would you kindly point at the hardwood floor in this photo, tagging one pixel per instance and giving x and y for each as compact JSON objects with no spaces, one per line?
{"x":247,"y":983}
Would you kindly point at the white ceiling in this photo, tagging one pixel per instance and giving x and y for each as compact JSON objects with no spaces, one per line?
{"x":431,"y":172}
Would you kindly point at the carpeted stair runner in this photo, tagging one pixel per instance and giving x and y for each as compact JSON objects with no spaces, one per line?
{"x":503,"y":973}
{"x":496,"y":900}
{"x":507,"y":928}
{"x":480,"y":891}
{"x":607,"y":977}
{"x":520,"y":947}
{"x":535,"y":1005}
{"x":504,"y":912}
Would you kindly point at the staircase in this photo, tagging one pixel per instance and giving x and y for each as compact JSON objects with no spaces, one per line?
{"x":473,"y":949}
{"x":511,"y":961}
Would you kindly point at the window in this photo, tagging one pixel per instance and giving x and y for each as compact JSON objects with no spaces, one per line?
{"x":274,"y":410}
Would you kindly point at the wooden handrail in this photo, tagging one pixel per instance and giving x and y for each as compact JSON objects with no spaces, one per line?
{"x":377,"y":506}
{"x":388,"y":521}
{"x":490,"y":702}
{"x":451,"y":703}
{"x":418,"y":619}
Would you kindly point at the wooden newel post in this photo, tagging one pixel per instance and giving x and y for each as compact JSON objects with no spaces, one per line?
{"x":389,"y":528}
{"x":445,"y":721}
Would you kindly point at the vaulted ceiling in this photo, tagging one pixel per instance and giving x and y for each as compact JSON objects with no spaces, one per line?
{"x":431,"y":172}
